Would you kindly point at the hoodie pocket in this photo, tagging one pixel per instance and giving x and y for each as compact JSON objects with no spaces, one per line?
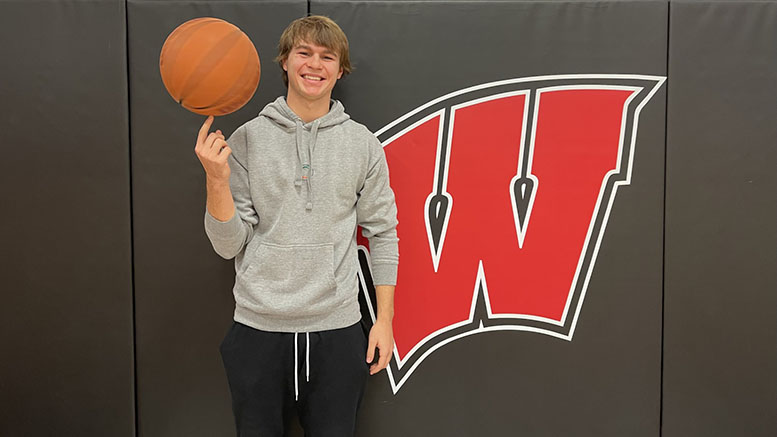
{"x":290,"y":280}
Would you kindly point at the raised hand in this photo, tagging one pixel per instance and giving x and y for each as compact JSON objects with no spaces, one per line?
{"x":213,"y":151}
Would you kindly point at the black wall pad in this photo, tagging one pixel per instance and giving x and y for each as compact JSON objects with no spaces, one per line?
{"x":66,"y":317}
{"x":69,"y":216}
{"x":183,"y":290}
{"x":720,"y":371}
{"x":606,"y":381}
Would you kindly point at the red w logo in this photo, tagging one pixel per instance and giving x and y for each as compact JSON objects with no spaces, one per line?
{"x":503,"y":192}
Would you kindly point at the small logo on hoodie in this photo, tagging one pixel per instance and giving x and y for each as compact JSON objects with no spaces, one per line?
{"x":503,"y":194}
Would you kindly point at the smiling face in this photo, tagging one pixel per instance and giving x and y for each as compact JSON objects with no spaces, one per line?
{"x":312,"y":72}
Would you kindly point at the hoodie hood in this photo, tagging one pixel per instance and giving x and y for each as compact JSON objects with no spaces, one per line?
{"x":280,"y":114}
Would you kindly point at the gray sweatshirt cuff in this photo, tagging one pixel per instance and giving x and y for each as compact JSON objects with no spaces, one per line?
{"x":384,"y":274}
{"x":222,"y":231}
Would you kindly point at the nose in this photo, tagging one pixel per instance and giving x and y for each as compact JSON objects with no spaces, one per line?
{"x":315,"y":61}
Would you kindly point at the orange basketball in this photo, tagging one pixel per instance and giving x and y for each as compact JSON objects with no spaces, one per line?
{"x":209,"y":66}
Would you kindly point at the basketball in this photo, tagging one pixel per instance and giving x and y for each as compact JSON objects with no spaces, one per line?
{"x":209,"y":66}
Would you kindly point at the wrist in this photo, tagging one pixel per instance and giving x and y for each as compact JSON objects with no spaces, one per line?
{"x":384,"y":319}
{"x":214,"y":182}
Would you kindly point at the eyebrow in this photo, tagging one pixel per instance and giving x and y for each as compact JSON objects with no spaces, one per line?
{"x":307,"y":47}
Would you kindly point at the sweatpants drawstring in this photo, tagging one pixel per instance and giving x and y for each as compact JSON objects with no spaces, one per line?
{"x":307,"y":357}
{"x":296,"y":363}
{"x":296,"y":383}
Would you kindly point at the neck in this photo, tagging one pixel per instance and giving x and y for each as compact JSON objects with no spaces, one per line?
{"x":307,"y":110}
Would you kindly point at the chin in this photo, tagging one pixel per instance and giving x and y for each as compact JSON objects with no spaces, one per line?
{"x":316,"y":95}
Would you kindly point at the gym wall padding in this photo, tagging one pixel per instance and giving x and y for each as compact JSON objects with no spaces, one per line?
{"x":720,"y":328}
{"x":606,"y":381}
{"x":66,"y":317}
{"x":183,"y":290}
{"x":115,"y":303}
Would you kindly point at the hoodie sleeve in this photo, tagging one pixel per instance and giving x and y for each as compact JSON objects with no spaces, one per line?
{"x":230,"y":237}
{"x":376,"y":213}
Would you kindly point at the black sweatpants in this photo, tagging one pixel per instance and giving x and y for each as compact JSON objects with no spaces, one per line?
{"x":324,"y":384}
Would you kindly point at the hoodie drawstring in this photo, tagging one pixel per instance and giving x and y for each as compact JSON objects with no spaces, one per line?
{"x":298,"y":177}
{"x":305,"y":168}
{"x":311,"y":147}
{"x":296,"y":363}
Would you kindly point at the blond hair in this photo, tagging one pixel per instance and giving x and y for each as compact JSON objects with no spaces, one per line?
{"x":318,"y":30}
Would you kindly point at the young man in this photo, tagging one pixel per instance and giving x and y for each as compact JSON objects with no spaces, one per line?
{"x":286,"y":193}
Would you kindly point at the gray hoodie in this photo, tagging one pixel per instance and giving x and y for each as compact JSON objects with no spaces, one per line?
{"x":300,"y":190}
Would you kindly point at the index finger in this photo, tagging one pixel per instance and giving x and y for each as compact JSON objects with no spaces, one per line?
{"x":204,"y":129}
{"x":371,"y":344}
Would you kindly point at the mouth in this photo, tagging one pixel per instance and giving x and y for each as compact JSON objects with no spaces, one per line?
{"x":312,"y":78}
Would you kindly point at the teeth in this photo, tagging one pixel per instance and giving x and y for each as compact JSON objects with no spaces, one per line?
{"x":312,"y":77}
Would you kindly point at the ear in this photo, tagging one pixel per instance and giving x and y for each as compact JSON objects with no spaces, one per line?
{"x":340,"y":73}
{"x":284,"y":65}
